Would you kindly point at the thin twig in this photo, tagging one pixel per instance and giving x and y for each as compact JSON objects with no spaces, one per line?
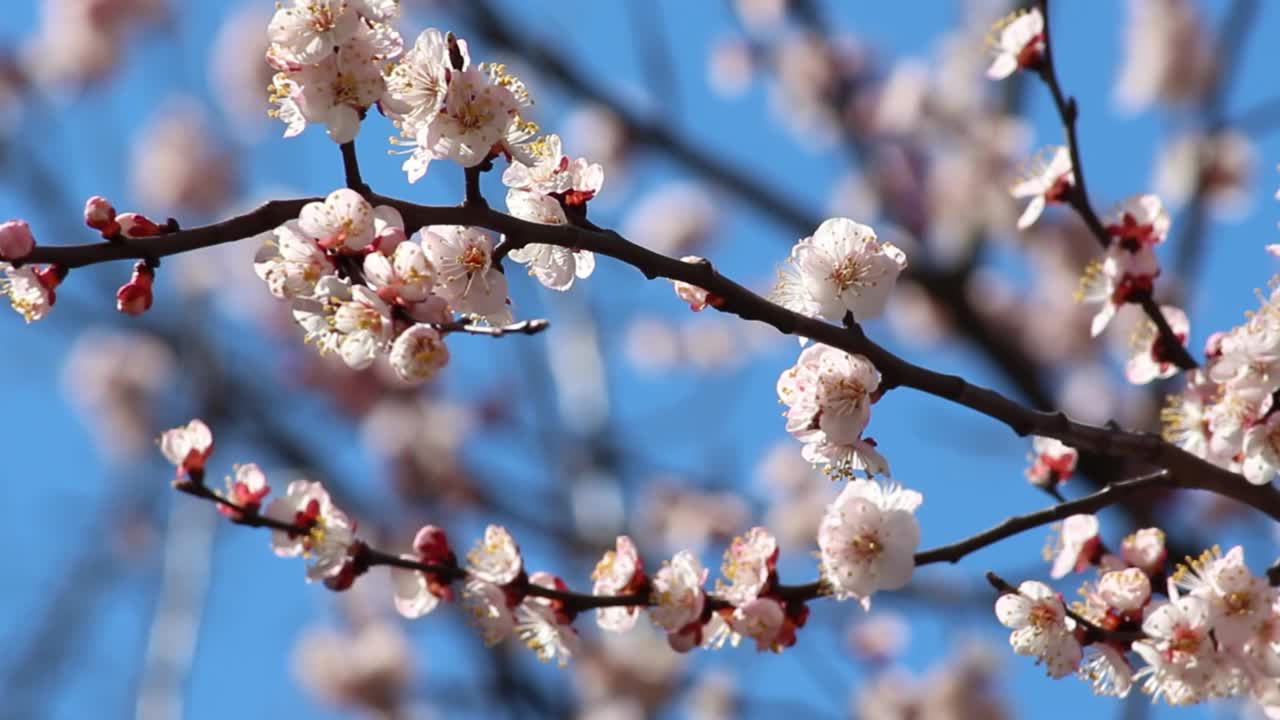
{"x":351,"y":169}
{"x":1108,"y":495}
{"x":1078,"y":196}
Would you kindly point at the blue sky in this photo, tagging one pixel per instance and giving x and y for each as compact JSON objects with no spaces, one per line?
{"x":63,"y":496}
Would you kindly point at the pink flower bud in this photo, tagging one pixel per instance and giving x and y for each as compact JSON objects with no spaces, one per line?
{"x":135,"y":297}
{"x":433,"y":545}
{"x":100,"y":215}
{"x":16,"y":240}
{"x":134,"y":225}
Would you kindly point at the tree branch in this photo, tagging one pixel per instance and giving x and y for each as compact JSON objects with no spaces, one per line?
{"x":1078,"y":197}
{"x":1187,"y":470}
{"x":351,"y":169}
{"x":1108,"y":495}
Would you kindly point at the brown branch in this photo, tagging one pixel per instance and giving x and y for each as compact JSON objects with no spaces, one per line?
{"x":1078,"y":196}
{"x":1105,"y":497}
{"x":1187,"y":470}
{"x":351,"y":169}
{"x":264,"y":218}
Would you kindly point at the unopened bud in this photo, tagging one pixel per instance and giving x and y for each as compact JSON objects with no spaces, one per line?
{"x":135,"y":297}
{"x":100,"y":215}
{"x":16,"y":240}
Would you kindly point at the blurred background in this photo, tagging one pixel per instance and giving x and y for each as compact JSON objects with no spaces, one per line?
{"x":727,"y":128}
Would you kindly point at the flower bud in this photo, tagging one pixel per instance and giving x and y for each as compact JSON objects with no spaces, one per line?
{"x":100,"y":215}
{"x":134,"y":225}
{"x":16,"y":240}
{"x":135,"y":296}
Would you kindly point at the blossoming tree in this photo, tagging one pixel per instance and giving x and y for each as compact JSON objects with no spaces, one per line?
{"x":387,"y":293}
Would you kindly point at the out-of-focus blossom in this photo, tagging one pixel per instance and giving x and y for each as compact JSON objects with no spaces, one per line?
{"x":369,"y":667}
{"x":1078,"y":546}
{"x":671,"y":220}
{"x":1017,"y":42}
{"x":177,"y":165}
{"x":730,"y":67}
{"x":79,"y":43}
{"x":599,"y":134}
{"x":1051,"y":462}
{"x":188,"y":446}
{"x":681,"y":517}
{"x":879,"y":637}
{"x":1047,"y":180}
{"x":237,"y":72}
{"x":1152,"y":359}
{"x":1220,"y":166}
{"x":1169,"y":55}
{"x":116,"y":377}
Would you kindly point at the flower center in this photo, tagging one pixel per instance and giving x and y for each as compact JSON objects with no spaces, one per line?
{"x":474,"y":259}
{"x":849,"y":273}
{"x":866,"y":547}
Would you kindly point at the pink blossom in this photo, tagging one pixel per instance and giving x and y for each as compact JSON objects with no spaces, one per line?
{"x":1079,"y":546}
{"x":188,"y":447}
{"x":16,"y":240}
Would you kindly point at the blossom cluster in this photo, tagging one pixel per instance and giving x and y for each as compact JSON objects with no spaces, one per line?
{"x":1226,"y":411}
{"x":1212,"y":635}
{"x":329,"y":54}
{"x":448,"y":109}
{"x":363,"y":289}
{"x":867,"y":542}
{"x":828,"y":394}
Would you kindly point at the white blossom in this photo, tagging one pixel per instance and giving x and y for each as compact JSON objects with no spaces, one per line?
{"x":418,"y":354}
{"x":553,"y":266}
{"x":868,"y":539}
{"x":748,"y":565}
{"x":843,"y":267}
{"x":1017,"y":42}
{"x":344,"y":220}
{"x":188,"y":446}
{"x":617,"y":573}
{"x":496,"y":558}
{"x":324,"y":533}
{"x":465,"y":275}
{"x":1040,"y":627}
